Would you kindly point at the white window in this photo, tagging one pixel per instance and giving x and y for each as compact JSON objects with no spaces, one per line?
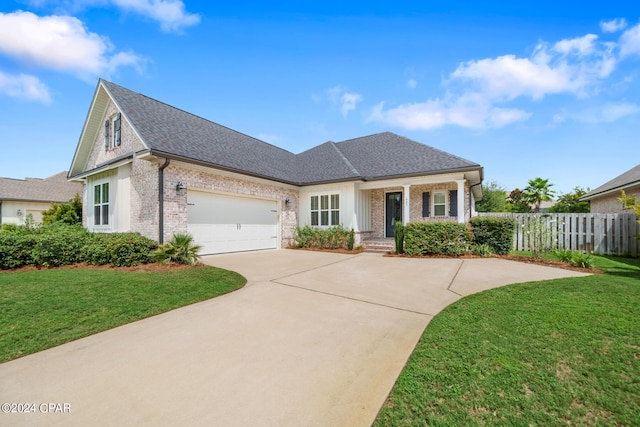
{"x":439,"y":203}
{"x":101,"y":204}
{"x":116,"y":130}
{"x":325,"y":210}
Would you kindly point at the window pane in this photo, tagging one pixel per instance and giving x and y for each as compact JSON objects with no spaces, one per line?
{"x":324,"y":202}
{"x":335,"y":217}
{"x":439,"y":198}
{"x":314,"y":218}
{"x":105,"y":193}
{"x":96,"y":195}
{"x":439,"y":210}
{"x":105,"y":214}
{"x":335,"y":201}
{"x":314,"y":203}
{"x":324,"y":217}
{"x":96,"y":215}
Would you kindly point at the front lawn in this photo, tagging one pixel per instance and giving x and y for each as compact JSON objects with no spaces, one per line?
{"x":45,"y":308}
{"x":558,"y":352}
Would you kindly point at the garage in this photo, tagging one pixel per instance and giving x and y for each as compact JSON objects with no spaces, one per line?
{"x":223,"y":223}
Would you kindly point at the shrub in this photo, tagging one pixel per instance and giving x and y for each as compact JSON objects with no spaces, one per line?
{"x":179,"y":249}
{"x":583,"y":260}
{"x":399,"y":237}
{"x":16,"y":249}
{"x":497,"y":232}
{"x":324,"y":238}
{"x":483,"y":250}
{"x":59,"y":244}
{"x":564,"y":256}
{"x":351,"y":239}
{"x":130,"y":249}
{"x":438,"y":238}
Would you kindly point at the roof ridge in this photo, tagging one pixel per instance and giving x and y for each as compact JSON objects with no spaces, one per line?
{"x":346,"y":160}
{"x":193,"y":115}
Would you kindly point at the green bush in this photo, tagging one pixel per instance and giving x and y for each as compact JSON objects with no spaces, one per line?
{"x":16,"y":249}
{"x":324,"y":238}
{"x":483,"y":250}
{"x":399,"y":237}
{"x":130,"y":249}
{"x":437,"y":238}
{"x":179,"y":249}
{"x":497,"y":232}
{"x":59,"y":244}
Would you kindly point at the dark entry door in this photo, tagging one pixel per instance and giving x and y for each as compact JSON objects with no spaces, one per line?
{"x":394,"y":212}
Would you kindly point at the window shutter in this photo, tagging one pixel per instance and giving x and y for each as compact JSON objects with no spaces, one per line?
{"x":106,"y":135}
{"x":425,"y":204}
{"x":453,"y":203}
{"x":116,"y":130}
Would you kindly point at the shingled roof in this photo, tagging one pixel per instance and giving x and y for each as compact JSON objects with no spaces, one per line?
{"x":628,"y":179}
{"x":169,"y":131}
{"x":56,"y":188}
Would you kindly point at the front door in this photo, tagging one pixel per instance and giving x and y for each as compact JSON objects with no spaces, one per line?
{"x":393,"y":212}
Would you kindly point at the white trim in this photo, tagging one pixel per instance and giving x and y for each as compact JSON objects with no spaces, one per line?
{"x":329,"y":193}
{"x":460,"y":201}
{"x":433,"y":203}
{"x":110,"y":204}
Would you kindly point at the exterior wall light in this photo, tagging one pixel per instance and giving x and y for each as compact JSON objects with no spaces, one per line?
{"x":19,"y":213}
{"x":287,"y":201}
{"x":180,"y":187}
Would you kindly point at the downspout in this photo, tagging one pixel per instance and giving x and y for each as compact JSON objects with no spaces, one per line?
{"x":161,"y":200}
{"x":470,"y":195}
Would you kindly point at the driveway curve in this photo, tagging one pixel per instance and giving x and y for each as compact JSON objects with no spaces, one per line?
{"x":313,"y":339}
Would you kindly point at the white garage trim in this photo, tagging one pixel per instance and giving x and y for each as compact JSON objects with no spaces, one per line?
{"x":230,"y":223}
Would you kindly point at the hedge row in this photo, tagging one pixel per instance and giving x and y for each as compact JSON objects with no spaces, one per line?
{"x":324,"y":238}
{"x":453,"y":239}
{"x":60,"y":244}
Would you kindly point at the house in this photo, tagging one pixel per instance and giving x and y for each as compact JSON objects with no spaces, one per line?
{"x":604,"y":199}
{"x":31,"y":196}
{"x":155,"y":169}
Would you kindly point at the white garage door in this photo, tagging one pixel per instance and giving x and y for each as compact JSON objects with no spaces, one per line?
{"x":221,"y":223}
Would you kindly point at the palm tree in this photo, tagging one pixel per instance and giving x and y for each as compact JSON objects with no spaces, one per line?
{"x":537,"y":191}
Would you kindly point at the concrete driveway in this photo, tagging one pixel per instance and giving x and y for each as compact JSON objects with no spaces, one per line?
{"x":313,"y":339}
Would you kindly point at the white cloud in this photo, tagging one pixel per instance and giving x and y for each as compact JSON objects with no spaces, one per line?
{"x":581,"y":45}
{"x":630,"y":41}
{"x":348,"y":102}
{"x":171,"y":14}
{"x":613,"y":26}
{"x":24,"y":87}
{"x":433,"y":114}
{"x":412,"y":83}
{"x":339,"y":96}
{"x":477,"y":90}
{"x":60,"y":43}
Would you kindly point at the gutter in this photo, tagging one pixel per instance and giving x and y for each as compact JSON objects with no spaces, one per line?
{"x":161,"y":200}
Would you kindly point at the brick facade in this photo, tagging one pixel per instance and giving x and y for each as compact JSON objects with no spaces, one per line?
{"x":415,"y":198}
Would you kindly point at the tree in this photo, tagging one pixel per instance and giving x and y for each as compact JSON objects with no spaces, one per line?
{"x":538,"y":191}
{"x":631,"y":202}
{"x":570,"y":202}
{"x":517,"y":203}
{"x":494,"y":198}
{"x":68,"y":212}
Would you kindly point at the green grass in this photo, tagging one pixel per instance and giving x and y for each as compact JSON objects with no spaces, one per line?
{"x":558,"y":352}
{"x":45,"y":308}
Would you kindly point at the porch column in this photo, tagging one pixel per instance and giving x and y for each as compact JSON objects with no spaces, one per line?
{"x":461,"y":198}
{"x":406,"y":210}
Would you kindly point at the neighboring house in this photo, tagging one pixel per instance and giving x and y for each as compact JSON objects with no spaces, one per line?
{"x":604,"y":199}
{"x":155,"y":169}
{"x":31,"y":196}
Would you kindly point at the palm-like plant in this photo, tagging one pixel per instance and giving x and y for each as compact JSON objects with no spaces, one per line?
{"x":537,"y":191}
{"x":180,"y":249}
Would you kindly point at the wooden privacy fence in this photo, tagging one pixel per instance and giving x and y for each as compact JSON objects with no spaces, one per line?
{"x":601,"y":234}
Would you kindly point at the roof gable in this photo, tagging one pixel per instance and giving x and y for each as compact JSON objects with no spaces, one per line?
{"x":55,"y":188}
{"x":171,"y":132}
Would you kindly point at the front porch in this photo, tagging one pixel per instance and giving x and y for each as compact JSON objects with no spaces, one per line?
{"x":379,"y":245}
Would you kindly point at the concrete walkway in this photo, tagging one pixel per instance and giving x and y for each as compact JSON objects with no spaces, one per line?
{"x":313,"y":339}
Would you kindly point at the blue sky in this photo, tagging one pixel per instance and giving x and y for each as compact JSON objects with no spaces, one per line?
{"x":526,"y":89}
